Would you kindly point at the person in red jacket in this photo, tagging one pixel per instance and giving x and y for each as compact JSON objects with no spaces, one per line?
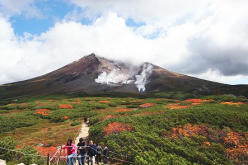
{"x":71,"y":152}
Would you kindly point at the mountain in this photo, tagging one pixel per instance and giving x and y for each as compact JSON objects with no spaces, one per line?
{"x":96,"y":75}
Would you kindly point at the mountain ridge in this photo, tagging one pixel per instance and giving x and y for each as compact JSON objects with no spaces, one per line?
{"x":93,"y":74}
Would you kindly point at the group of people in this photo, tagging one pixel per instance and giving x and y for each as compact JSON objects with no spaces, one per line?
{"x":81,"y":151}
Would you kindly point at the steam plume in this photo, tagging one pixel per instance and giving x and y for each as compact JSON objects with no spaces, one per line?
{"x":141,"y":80}
{"x":113,"y":77}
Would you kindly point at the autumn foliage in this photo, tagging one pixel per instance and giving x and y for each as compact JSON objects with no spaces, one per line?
{"x":116,"y":128}
{"x":237,"y":147}
{"x":231,"y":103}
{"x":176,"y":106}
{"x":197,"y":100}
{"x":45,"y":150}
{"x":65,"y":106}
{"x":147,"y":105}
{"x":43,"y":112}
{"x":188,"y":130}
{"x":108,"y":117}
{"x":123,"y":110}
{"x":65,"y":117}
{"x":104,"y":101}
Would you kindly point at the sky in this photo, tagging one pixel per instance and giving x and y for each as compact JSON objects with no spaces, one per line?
{"x":207,"y":39}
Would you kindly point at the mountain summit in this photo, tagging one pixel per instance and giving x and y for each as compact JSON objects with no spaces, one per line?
{"x":95,"y":75}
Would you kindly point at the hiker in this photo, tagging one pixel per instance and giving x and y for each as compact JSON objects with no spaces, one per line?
{"x":85,"y":119}
{"x":71,"y":152}
{"x":106,"y":154}
{"x":82,"y":152}
{"x":91,"y":153}
{"x":98,"y":153}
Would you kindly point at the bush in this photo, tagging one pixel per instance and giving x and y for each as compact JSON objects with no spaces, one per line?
{"x":10,"y":123}
{"x":76,"y":123}
{"x":133,"y":106}
{"x":7,"y":152}
{"x":113,"y":104}
{"x":99,"y":106}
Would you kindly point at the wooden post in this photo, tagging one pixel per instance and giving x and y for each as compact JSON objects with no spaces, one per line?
{"x":48,"y":159}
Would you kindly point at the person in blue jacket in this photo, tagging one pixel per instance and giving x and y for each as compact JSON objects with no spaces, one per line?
{"x":92,"y":153}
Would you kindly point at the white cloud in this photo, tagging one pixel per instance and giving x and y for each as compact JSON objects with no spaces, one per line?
{"x":215,"y":75}
{"x":201,"y":38}
{"x":13,"y":7}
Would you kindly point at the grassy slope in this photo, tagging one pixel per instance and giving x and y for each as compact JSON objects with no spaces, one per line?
{"x":170,"y":131}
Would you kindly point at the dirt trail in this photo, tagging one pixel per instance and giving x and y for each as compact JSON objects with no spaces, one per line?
{"x":84,"y":133}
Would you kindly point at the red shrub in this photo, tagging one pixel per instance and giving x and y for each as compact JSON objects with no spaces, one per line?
{"x":65,"y":117}
{"x":147,"y":105}
{"x":116,"y":128}
{"x":45,"y":150}
{"x":43,"y":112}
{"x":65,"y":106}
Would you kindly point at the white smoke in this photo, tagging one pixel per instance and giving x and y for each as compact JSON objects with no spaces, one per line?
{"x":119,"y":77}
{"x":141,"y":79}
{"x":113,"y":77}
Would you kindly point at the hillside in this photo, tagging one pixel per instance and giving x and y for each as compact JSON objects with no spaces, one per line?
{"x":96,"y":75}
{"x":209,"y":130}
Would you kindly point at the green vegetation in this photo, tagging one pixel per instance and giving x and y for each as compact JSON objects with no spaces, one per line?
{"x":164,"y":129}
{"x":23,"y":154}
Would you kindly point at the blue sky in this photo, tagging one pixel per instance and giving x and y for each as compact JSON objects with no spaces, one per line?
{"x":205,"y":39}
{"x":51,"y":12}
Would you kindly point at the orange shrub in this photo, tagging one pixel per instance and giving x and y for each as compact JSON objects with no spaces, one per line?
{"x":237,"y":146}
{"x":207,"y":144}
{"x":108,"y":117}
{"x":233,"y":138}
{"x":176,"y":106}
{"x":65,"y":117}
{"x":65,"y":106}
{"x":188,"y":130}
{"x":123,"y":110}
{"x":45,"y":150}
{"x":147,"y":105}
{"x":238,"y":153}
{"x":197,"y":100}
{"x":116,"y":128}
{"x":231,"y":103}
{"x":104,"y":101}
{"x":43,"y":112}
